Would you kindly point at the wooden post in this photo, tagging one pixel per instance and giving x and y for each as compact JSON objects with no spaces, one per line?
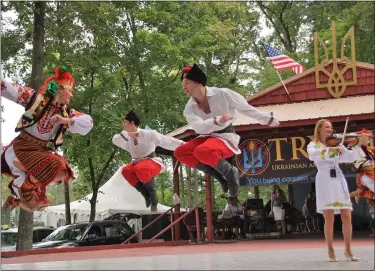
{"x":312,"y":187}
{"x":290,"y":192}
{"x":210,"y":235}
{"x":176,"y":189}
{"x":256,"y":192}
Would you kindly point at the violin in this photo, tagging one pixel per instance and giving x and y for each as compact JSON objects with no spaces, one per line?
{"x":349,"y":139}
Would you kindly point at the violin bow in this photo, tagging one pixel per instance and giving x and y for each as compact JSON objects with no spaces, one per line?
{"x":346,"y":126}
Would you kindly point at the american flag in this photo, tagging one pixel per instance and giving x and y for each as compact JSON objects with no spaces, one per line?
{"x":283,"y":62}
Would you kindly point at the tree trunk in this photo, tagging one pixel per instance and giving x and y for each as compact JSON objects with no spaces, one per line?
{"x":196,"y":180}
{"x":25,"y":226}
{"x":182,"y":187}
{"x":25,"y":230}
{"x":188,"y":187}
{"x":93,"y":205}
{"x":94,"y":191}
{"x":96,"y":185}
{"x":38,"y":46}
{"x":68,"y":215}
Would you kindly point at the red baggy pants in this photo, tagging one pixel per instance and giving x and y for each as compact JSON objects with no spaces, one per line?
{"x":143,"y":171}
{"x":205,"y":150}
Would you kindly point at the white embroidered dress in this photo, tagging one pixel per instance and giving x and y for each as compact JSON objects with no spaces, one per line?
{"x":148,"y":140}
{"x":221,"y":101}
{"x":332,"y":192}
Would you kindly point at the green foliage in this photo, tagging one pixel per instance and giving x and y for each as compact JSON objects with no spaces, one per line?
{"x":55,"y":193}
{"x":286,"y":19}
{"x":319,"y":17}
{"x":5,"y":192}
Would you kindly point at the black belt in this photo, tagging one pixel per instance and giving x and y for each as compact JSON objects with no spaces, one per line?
{"x":151,"y":155}
{"x":228,"y":129}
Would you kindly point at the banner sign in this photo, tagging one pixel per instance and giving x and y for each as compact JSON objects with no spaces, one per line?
{"x":281,"y":160}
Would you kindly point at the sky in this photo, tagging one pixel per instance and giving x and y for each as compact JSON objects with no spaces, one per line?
{"x":12,"y":113}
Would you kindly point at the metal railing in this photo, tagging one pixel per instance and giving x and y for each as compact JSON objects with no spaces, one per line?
{"x":195,"y":208}
{"x":149,"y":224}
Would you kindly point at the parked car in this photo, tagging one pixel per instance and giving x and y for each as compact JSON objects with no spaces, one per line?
{"x":106,"y":232}
{"x":9,"y":237}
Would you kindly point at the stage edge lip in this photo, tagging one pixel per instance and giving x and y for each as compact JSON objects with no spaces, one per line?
{"x":17,"y":253}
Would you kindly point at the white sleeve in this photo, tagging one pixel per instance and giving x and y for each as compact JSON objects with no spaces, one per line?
{"x":350,"y":156}
{"x":201,"y":126}
{"x":80,"y":123}
{"x":121,"y":140}
{"x":166,"y":142}
{"x":16,"y":93}
{"x":318,"y":152}
{"x":239,"y":103}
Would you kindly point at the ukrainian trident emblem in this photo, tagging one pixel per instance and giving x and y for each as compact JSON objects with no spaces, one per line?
{"x":255,"y":157}
{"x":336,"y":83}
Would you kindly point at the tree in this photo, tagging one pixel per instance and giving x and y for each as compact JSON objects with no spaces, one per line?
{"x":15,"y":34}
{"x":286,"y":19}
{"x":346,"y":15}
{"x":25,"y":227}
{"x":4,"y":187}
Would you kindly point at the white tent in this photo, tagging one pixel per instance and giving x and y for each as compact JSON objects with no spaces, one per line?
{"x":115,"y":196}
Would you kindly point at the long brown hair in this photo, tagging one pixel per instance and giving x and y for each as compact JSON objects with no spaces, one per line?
{"x":317,"y":127}
{"x":277,"y":189}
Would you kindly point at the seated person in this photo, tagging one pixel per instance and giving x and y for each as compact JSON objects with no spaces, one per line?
{"x":233,"y":210}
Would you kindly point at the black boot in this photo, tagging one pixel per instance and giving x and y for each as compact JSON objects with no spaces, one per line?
{"x":233,"y":162}
{"x":142,"y":189}
{"x":215,"y":174}
{"x":231,"y":176}
{"x":151,"y":189}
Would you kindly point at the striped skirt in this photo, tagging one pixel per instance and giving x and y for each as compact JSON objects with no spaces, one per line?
{"x":40,"y":161}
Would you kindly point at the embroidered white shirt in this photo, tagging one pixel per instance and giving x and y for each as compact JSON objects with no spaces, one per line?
{"x":147,"y":141}
{"x":44,"y":130}
{"x":221,"y":101}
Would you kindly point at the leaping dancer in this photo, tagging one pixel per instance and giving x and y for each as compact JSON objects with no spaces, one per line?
{"x":145,"y":166}
{"x":210,"y":111}
{"x":365,"y":171}
{"x":31,"y":158}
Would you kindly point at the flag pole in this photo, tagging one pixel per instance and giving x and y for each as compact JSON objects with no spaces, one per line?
{"x":287,"y":92}
{"x":282,"y":82}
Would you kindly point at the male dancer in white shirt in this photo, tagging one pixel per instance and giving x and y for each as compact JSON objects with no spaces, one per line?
{"x":210,"y":111}
{"x":145,"y":165}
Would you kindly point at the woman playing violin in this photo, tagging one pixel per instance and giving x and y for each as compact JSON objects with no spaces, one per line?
{"x":332,"y":194}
